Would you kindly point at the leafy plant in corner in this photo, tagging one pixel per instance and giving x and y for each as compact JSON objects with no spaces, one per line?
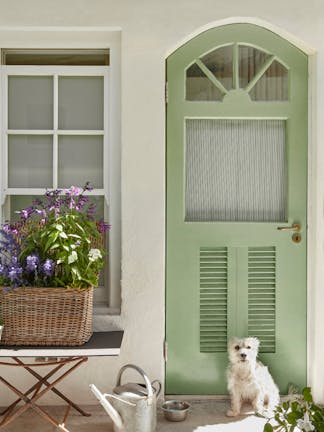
{"x":298,"y":412}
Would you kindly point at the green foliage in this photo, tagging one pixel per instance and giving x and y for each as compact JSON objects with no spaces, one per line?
{"x":299,"y":411}
{"x":67,"y":240}
{"x":56,"y":243}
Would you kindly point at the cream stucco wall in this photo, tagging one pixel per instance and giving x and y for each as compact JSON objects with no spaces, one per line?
{"x":150,"y":29}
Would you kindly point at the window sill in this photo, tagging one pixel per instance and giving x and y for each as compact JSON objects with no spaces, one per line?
{"x":103,"y":310}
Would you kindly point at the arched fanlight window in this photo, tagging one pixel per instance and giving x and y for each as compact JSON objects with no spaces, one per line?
{"x":237,"y":67}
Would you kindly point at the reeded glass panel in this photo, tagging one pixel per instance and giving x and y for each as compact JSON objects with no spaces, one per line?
{"x":273,"y":85}
{"x":30,"y":161}
{"x":199,"y":87}
{"x":250,"y":61}
{"x":220,"y":63}
{"x":80,"y":159}
{"x":80,"y":103}
{"x":30,"y":102}
{"x":235,"y":170}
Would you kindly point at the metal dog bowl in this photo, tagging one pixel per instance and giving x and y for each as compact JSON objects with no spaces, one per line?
{"x":175,"y":410}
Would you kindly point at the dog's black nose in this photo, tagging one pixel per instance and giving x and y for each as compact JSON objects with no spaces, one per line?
{"x":243,"y":356}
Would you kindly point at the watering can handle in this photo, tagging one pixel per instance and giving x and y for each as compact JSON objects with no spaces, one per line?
{"x":141,"y":372}
{"x":159,"y":387}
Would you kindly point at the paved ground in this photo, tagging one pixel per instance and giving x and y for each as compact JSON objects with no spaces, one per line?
{"x":203,"y":412}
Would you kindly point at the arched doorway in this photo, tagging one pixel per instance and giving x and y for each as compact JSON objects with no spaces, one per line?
{"x":236,"y":171}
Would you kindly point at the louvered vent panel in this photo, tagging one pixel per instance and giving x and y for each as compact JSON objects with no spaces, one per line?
{"x":262,"y":296}
{"x":213,"y":299}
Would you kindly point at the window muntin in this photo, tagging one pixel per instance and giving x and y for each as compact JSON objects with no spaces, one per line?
{"x":237,"y":67}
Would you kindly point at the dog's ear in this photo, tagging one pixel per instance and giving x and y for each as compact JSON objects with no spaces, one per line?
{"x":254,"y":342}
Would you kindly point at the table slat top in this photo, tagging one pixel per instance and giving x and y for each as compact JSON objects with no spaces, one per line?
{"x":100,"y":344}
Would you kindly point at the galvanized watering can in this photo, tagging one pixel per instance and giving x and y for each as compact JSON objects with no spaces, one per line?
{"x":131,"y":406}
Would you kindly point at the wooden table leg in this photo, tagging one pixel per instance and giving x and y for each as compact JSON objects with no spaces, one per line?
{"x":57,"y":392}
{"x":10,"y":407}
{"x":30,"y":401}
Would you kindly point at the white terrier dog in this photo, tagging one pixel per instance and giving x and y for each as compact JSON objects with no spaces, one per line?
{"x":248,"y":379}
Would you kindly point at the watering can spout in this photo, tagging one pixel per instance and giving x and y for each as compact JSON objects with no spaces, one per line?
{"x":111,"y":411}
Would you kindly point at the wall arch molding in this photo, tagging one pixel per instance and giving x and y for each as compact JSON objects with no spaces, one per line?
{"x":294,"y":40}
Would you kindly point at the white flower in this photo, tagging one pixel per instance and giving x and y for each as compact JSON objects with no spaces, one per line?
{"x":94,"y":254}
{"x":305,"y":424}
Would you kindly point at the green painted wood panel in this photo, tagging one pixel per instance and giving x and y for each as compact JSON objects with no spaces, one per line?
{"x":279,"y":294}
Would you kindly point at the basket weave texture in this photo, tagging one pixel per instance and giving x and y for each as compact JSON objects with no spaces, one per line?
{"x":46,"y":316}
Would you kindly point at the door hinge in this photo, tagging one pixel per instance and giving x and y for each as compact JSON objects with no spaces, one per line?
{"x":166,"y":96}
{"x":165,"y":351}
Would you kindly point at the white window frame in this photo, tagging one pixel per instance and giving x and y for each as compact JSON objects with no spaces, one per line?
{"x":111,"y":162}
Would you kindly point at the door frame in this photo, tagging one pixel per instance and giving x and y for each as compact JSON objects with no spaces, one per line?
{"x":314,"y":276}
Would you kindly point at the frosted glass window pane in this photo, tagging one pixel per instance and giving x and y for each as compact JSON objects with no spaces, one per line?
{"x":220,"y":63}
{"x":273,"y":85}
{"x":199,"y":87}
{"x":235,"y":170}
{"x":250,"y":61}
{"x":80,"y":159}
{"x":30,"y":102}
{"x":56,"y":57}
{"x":80,"y":102}
{"x":30,"y":160}
{"x":18,"y":202}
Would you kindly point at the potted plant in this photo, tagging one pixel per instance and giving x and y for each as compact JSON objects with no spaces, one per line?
{"x":50,"y":261}
{"x":297,"y":413}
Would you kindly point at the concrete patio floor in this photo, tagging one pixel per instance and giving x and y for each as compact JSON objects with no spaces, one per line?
{"x":203,"y":412}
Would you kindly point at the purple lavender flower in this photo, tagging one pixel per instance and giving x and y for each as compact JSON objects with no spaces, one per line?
{"x":103,"y":226}
{"x":14,"y":274}
{"x":48,"y":267}
{"x":26,"y":213}
{"x":87,"y":187}
{"x":31,"y":263}
{"x":75,"y":190}
{"x":91,"y":211}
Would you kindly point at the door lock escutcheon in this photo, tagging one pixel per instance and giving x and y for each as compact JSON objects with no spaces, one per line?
{"x":296,"y":237}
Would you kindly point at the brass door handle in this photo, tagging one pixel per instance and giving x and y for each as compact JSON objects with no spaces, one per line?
{"x":294,"y":227}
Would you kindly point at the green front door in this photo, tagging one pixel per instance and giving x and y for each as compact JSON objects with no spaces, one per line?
{"x":236,"y":172}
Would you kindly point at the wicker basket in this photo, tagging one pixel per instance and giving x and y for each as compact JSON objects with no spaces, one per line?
{"x":46,"y":316}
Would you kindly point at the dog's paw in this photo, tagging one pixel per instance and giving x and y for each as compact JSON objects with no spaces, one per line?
{"x":231,"y":413}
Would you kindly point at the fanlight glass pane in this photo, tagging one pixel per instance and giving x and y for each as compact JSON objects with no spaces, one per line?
{"x":80,"y":159}
{"x":199,"y":87}
{"x":30,"y":161}
{"x":80,"y":101}
{"x":235,"y":170}
{"x":220,"y":63}
{"x":273,"y":85}
{"x":30,"y":102}
{"x":250,"y":61}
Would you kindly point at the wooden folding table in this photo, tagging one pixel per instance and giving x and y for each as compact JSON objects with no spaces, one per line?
{"x":63,"y":361}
